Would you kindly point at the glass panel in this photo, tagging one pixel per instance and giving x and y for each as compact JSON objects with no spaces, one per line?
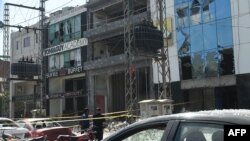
{"x":209,"y":36}
{"x":208,"y":11}
{"x":57,"y":61}
{"x":77,"y":23}
{"x":78,"y":57}
{"x":196,"y":38}
{"x":51,"y":63}
{"x":224,"y":33}
{"x":212,"y":60}
{"x":51,"y":34}
{"x":198,"y":65}
{"x":223,"y":9}
{"x":183,"y":41}
{"x":152,"y":133}
{"x":66,"y":59}
{"x":72,"y":24}
{"x":61,"y":60}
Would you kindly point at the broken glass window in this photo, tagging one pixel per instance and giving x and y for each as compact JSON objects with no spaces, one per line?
{"x":198,"y":65}
{"x":195,"y":7}
{"x":211,"y":64}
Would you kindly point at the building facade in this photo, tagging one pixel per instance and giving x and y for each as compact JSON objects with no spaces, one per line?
{"x":66,"y":54}
{"x":25,"y":47}
{"x":106,"y":56}
{"x":212,"y":54}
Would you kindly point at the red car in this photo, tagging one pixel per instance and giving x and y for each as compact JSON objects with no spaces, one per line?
{"x":44,"y":127}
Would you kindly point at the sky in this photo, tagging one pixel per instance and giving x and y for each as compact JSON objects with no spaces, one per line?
{"x":27,"y":17}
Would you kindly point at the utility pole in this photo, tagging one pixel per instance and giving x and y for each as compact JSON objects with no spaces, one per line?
{"x":42,"y":46}
{"x":130,"y":72}
{"x":165,"y":65}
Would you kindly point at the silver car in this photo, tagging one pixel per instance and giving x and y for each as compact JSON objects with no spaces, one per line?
{"x":8,"y":126}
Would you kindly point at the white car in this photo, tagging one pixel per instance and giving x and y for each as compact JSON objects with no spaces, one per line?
{"x":8,"y":126}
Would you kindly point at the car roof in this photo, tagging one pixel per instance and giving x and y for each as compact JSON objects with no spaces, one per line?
{"x":4,"y":118}
{"x":233,"y":116}
{"x":35,"y":119}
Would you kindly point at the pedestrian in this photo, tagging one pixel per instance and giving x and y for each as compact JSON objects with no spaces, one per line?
{"x":85,"y":121}
{"x":98,"y":124}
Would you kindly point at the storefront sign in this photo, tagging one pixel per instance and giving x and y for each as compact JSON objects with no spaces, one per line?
{"x":65,"y":47}
{"x":64,"y":72}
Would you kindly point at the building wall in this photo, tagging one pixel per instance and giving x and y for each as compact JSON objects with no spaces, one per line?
{"x":240,"y":22}
{"x":23,"y":44}
{"x":66,"y":55}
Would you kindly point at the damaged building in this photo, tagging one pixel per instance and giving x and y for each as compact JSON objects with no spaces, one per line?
{"x":105,"y":64}
{"x":208,"y":40}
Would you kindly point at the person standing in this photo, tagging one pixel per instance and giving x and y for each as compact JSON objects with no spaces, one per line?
{"x":85,"y":121}
{"x":98,"y":120}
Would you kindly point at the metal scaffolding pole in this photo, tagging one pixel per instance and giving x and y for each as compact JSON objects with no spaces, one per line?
{"x":130,"y":72}
{"x":165,"y":91}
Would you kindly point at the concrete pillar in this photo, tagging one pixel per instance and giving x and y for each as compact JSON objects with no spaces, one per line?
{"x":109,"y":93}
{"x":91,"y":92}
{"x":11,"y":104}
{"x":151,"y":83}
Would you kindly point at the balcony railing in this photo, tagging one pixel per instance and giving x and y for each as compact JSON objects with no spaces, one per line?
{"x":107,"y":62}
{"x":112,"y":26}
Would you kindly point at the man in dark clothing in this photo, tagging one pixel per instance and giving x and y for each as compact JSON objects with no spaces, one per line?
{"x":98,"y":124}
{"x":85,"y":122}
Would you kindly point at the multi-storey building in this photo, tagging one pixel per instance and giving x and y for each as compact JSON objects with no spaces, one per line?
{"x":212,"y":47}
{"x":66,"y":54}
{"x":25,"y":47}
{"x":105,"y":64}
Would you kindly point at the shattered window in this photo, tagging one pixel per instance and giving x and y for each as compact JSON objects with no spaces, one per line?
{"x":186,"y":67}
{"x":197,"y":65}
{"x":183,"y":42}
{"x":212,"y":61}
{"x":195,"y":7}
{"x":153,"y":133}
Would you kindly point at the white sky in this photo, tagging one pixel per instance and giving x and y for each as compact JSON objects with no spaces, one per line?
{"x":26,"y":17}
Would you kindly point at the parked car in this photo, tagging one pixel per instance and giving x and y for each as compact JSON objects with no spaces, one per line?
{"x":44,"y":127}
{"x":8,"y":126}
{"x":192,"y":126}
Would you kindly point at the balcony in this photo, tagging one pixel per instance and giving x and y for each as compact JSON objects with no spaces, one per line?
{"x":108,"y":28}
{"x":107,"y":62}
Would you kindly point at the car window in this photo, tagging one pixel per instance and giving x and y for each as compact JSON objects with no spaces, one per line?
{"x":7,"y":123}
{"x":146,"y":133}
{"x":45,"y":124}
{"x":199,"y":132}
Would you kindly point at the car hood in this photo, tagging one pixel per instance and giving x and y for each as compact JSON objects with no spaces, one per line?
{"x":16,"y":131}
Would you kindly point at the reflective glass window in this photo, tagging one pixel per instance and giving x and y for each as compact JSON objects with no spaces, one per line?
{"x":223,"y":9}
{"x":225,"y":33}
{"x":209,"y":35}
{"x":196,"y":38}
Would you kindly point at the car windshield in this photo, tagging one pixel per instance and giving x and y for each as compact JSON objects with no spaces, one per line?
{"x":7,"y":123}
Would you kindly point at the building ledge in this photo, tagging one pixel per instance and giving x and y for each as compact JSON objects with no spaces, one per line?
{"x":107,"y":62}
{"x":108,"y":28}
{"x":222,"y":81}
